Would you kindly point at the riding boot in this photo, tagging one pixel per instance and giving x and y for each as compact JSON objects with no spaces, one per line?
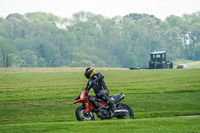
{"x":111,"y":104}
{"x":112,"y":107}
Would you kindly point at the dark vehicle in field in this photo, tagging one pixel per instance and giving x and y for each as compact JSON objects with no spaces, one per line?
{"x":85,"y":112}
{"x":158,"y":61}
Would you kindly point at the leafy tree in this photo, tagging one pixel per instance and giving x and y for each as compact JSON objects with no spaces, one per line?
{"x":44,"y":40}
{"x":195,"y":32}
{"x":129,"y":60}
{"x":136,"y":17}
{"x":80,"y":59}
{"x":196,"y":52}
{"x":8,"y":55}
{"x":174,"y":21}
{"x":29,"y":59}
{"x":42,"y":17}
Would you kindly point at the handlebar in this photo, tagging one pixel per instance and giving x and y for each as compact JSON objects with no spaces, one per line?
{"x":87,"y":89}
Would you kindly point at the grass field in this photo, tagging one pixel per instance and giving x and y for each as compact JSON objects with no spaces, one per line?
{"x":41,"y":100}
{"x":189,"y":63}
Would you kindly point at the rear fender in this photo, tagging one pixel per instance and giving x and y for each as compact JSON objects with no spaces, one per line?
{"x":117,"y":98}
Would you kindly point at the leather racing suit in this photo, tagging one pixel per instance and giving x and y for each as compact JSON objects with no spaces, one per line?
{"x":98,"y":84}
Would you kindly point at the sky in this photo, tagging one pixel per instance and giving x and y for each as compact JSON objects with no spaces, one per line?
{"x":107,"y":8}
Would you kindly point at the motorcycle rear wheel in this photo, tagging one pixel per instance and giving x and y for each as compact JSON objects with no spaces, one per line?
{"x":81,"y":116}
{"x":130,"y":112}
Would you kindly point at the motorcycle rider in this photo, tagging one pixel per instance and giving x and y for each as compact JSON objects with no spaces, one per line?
{"x":96,"y":82}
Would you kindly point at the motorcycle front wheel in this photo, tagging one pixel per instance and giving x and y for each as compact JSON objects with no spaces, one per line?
{"x":130,"y":114}
{"x":82,"y":116}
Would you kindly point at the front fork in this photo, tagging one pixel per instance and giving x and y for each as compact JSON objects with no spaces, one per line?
{"x":87,"y":112}
{"x":86,"y":105}
{"x":87,"y":109}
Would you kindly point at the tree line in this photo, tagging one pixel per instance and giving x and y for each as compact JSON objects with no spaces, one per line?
{"x":45,"y":40}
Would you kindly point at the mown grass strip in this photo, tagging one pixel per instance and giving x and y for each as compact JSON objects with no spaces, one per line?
{"x":155,"y":125}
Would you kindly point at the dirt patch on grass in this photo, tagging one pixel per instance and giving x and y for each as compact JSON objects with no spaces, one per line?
{"x":190,"y":116}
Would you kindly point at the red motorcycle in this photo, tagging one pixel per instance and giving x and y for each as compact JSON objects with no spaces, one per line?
{"x":91,"y":104}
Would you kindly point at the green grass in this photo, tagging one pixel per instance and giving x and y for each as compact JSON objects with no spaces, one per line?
{"x":32,"y":101}
{"x":153,"y":125}
{"x":189,"y":63}
{"x":195,"y":64}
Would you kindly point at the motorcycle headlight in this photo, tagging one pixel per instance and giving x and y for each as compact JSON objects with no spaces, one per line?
{"x":81,"y":96}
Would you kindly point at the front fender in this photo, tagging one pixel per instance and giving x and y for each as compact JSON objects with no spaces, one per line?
{"x":79,"y":101}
